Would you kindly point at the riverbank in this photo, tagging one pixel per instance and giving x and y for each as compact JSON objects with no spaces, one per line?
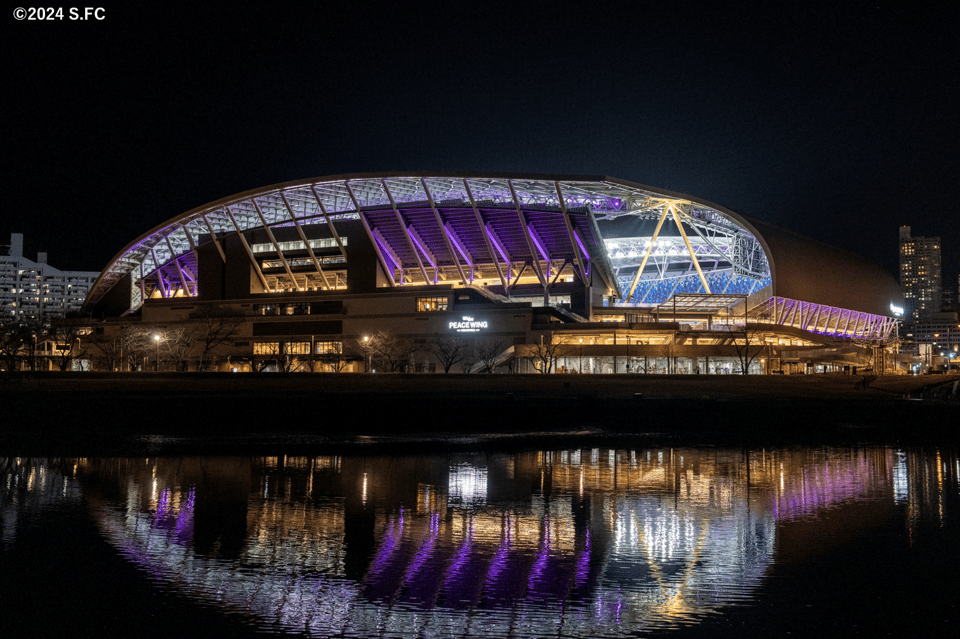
{"x":328,"y":410}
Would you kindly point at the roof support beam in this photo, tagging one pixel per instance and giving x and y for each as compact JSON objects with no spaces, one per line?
{"x":333,"y":230}
{"x":575,"y":242}
{"x":646,"y":256}
{"x":193,"y":244}
{"x":457,"y":243}
{"x":421,"y":244}
{"x":498,"y":244}
{"x":483,"y":231}
{"x":526,"y":234}
{"x":382,"y":241}
{"x":276,"y":246}
{"x":161,"y":283}
{"x":306,"y":242}
{"x":560,"y":271}
{"x":446,"y":237}
{"x":523,"y":267}
{"x":366,"y":225}
{"x":213,"y":238}
{"x":143,"y":285}
{"x":693,"y":256}
{"x":183,"y":278}
{"x":246,"y":246}
{"x":406,"y":231}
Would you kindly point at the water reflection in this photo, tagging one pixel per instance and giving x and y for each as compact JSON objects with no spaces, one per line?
{"x":581,"y":543}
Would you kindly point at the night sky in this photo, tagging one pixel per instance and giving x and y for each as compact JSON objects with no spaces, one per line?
{"x":840,"y":124}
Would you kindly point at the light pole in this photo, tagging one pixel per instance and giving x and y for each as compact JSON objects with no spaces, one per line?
{"x":366,"y":349}
{"x":580,"y":366}
{"x":156,"y":339}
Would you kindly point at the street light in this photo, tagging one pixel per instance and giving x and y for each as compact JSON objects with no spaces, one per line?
{"x":156,"y":339}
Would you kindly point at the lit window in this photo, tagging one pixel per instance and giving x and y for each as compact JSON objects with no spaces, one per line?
{"x":329,"y":348}
{"x":266,"y":348}
{"x":431,"y":304}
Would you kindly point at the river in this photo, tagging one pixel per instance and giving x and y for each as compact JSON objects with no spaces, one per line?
{"x":562,"y":541}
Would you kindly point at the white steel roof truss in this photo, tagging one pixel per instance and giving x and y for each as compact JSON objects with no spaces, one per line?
{"x":443,"y":233}
{"x":579,"y":267}
{"x":379,"y":245}
{"x":457,"y":243}
{"x":164,"y":291}
{"x":306,"y":243}
{"x":406,"y":231}
{"x":405,"y":190}
{"x":333,"y":230}
{"x":559,"y":269}
{"x":213,"y":237}
{"x":183,"y":277}
{"x":193,"y":244}
{"x":246,"y":246}
{"x":421,"y":246}
{"x":484,"y":231}
{"x":378,"y":237}
{"x":526,"y":234}
{"x":276,"y":246}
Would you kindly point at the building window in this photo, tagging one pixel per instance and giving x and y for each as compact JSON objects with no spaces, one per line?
{"x":297,"y":245}
{"x":297,"y":309}
{"x":431,"y":304}
{"x":266,"y":348}
{"x":329,"y":348}
{"x":281,"y":348}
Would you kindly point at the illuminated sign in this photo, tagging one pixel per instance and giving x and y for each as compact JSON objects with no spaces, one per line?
{"x":896,"y":310}
{"x":468,"y":325}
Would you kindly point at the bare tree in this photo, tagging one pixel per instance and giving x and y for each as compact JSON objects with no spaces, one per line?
{"x":332,"y":359}
{"x":547,"y":350}
{"x":65,"y":335}
{"x":748,"y":345}
{"x":277,"y":353}
{"x":138,"y":343}
{"x":217,"y":326}
{"x":449,"y":351}
{"x":179,"y":343}
{"x":390,"y":352}
{"x":12,"y":338}
{"x":107,"y":350}
{"x":21,"y":342}
{"x":488,"y":352}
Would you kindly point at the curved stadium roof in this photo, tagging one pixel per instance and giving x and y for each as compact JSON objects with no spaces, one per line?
{"x":647,"y":244}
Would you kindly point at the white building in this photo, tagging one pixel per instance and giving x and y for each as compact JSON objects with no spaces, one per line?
{"x":31,"y":291}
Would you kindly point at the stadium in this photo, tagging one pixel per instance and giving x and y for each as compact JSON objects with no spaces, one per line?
{"x":485,"y":272}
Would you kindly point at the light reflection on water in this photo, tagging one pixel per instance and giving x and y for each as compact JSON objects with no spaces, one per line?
{"x":578,"y":543}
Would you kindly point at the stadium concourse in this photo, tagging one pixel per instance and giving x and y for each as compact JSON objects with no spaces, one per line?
{"x":483,"y":272}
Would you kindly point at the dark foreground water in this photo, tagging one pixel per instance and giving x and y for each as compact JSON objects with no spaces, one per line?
{"x":844,"y":540}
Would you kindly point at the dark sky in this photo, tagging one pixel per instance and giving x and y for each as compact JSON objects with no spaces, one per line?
{"x":840,"y":124}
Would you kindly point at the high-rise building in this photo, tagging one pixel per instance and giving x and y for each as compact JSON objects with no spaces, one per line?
{"x":35,"y":291}
{"x":920,"y":275}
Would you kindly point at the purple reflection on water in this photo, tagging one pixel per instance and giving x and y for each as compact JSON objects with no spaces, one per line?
{"x":456,"y":582}
{"x":821,"y":487}
{"x":163,"y":505}
{"x":541,"y":558}
{"x":184,"y":525}
{"x":582,"y":570}
{"x":425,"y":551}
{"x":420,"y":579}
